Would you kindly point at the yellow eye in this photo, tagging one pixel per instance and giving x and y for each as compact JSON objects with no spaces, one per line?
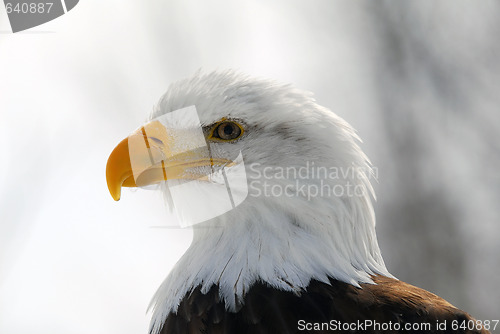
{"x":226,"y":130}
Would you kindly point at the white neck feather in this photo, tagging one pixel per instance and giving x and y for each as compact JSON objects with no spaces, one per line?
{"x":273,"y":245}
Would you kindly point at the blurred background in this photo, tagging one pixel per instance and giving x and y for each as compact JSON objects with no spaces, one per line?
{"x":419,"y":80}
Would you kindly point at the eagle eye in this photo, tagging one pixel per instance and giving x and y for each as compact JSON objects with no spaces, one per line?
{"x":226,"y":130}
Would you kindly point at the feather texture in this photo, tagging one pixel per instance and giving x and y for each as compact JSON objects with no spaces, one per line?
{"x":269,"y":310}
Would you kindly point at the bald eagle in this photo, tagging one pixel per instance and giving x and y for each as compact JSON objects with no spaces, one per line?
{"x":299,"y":252}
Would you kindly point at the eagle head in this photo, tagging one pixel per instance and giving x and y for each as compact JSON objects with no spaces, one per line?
{"x":277,"y":185}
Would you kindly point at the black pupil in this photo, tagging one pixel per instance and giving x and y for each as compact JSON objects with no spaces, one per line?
{"x":228,"y":129}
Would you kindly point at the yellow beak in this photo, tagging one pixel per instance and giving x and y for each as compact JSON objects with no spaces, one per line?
{"x":151,"y":155}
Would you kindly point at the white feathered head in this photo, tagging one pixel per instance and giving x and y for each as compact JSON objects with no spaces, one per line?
{"x":307,"y":211}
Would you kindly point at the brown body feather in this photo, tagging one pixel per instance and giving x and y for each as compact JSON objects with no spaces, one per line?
{"x":267,"y":310}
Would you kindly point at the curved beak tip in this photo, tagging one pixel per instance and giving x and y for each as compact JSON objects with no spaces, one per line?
{"x":115,"y":194}
{"x":117,"y":169}
{"x":114,"y":185}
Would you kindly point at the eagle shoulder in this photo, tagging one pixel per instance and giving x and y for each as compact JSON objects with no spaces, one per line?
{"x":321,"y":308}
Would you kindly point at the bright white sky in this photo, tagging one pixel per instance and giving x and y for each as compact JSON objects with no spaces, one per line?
{"x":71,"y":259}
